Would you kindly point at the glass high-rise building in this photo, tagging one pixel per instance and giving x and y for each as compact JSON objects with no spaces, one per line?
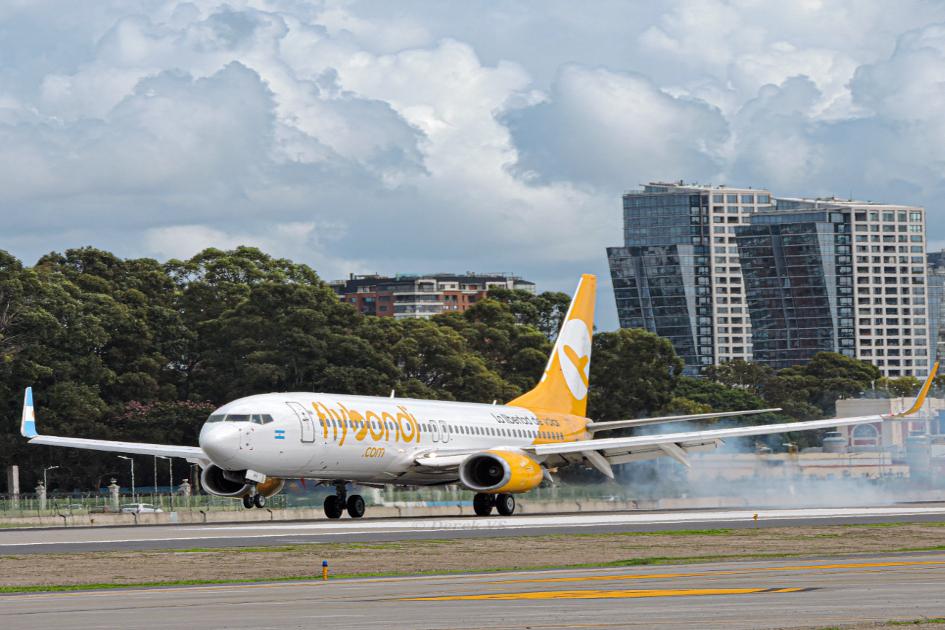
{"x":678,"y":273}
{"x":839,"y":276}
{"x":936,"y":276}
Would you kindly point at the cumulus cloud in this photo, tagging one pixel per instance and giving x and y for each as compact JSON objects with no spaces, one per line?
{"x":414,"y":137}
{"x":603,"y":127}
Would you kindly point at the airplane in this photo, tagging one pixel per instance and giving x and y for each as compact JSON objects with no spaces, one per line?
{"x":249,"y":447}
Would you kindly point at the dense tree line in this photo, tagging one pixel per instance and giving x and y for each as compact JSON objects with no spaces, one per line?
{"x":142,"y":350}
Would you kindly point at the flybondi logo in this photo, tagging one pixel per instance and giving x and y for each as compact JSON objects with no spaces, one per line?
{"x":574,"y":355}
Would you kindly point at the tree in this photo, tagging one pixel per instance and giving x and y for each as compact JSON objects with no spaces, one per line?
{"x":741,"y":374}
{"x":544,"y":311}
{"x":903,"y":386}
{"x":514,"y":350}
{"x":810,"y":390}
{"x":716,"y":396}
{"x":633,"y":373}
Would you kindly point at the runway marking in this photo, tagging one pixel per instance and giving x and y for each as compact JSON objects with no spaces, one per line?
{"x":609,"y":594}
{"x":664,"y":576}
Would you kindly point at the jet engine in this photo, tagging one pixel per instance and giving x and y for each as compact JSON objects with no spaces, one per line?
{"x":493,"y":472}
{"x":232,"y":483}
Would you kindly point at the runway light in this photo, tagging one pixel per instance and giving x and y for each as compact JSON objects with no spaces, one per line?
{"x":324,"y":569}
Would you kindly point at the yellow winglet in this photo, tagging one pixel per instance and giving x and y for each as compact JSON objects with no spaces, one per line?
{"x":920,"y":399}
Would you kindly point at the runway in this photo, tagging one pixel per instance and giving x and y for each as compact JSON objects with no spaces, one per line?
{"x":24,"y":541}
{"x":730,"y":595}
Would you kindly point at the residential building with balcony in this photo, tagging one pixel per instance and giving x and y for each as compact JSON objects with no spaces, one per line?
{"x":838,"y":276}
{"x":421,"y":296}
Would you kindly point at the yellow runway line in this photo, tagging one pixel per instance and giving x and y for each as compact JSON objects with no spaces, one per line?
{"x":603,"y":594}
{"x":665,"y":576}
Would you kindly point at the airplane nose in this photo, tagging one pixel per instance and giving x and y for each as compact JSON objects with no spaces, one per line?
{"x":220,"y":442}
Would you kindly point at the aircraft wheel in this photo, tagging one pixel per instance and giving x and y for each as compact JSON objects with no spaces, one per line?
{"x":333,"y":507}
{"x":259,"y":501}
{"x":248,"y":501}
{"x":355,"y":506}
{"x":483,"y":504}
{"x":505,"y":504}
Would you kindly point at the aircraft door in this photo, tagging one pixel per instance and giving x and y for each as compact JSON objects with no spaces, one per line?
{"x":444,"y":431}
{"x":306,"y":420}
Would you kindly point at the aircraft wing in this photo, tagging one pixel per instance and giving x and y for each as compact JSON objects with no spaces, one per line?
{"x":639,"y":422}
{"x":193,"y":454}
{"x":604,"y":452}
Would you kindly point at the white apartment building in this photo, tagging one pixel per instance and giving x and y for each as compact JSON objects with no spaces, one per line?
{"x":891,"y":312}
{"x":729,"y":208}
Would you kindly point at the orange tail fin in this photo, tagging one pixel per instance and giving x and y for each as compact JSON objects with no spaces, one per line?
{"x":564,"y":384}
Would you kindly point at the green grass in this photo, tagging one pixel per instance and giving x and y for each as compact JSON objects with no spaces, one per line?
{"x":305,"y":547}
{"x":683,"y":532}
{"x":917,"y":622}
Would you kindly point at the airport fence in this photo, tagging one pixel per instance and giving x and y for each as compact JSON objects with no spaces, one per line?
{"x":296,"y":496}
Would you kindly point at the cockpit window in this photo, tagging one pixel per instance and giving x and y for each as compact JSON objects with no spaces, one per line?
{"x":255,"y":418}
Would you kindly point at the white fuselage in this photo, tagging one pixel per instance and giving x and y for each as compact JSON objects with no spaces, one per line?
{"x":364,"y":438}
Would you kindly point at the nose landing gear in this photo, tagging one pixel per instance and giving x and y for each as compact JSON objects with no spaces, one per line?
{"x":336,"y":504}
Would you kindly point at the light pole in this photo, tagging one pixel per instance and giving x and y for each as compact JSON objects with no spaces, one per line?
{"x":170,"y":471}
{"x":132,"y":474}
{"x":46,"y":485}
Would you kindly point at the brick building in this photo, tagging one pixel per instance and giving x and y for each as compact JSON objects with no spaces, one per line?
{"x":413,"y":296}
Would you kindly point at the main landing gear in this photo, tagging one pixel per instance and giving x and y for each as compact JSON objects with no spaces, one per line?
{"x":336,"y":504}
{"x":254,"y":500}
{"x":503,"y":503}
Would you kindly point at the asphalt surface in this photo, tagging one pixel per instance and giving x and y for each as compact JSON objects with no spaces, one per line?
{"x":731,"y":595}
{"x":61,"y":540}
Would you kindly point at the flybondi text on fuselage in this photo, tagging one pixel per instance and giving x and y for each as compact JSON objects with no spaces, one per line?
{"x":367,"y":424}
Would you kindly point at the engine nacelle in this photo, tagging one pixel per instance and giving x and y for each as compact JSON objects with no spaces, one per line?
{"x":493,"y":472}
{"x":232,"y":483}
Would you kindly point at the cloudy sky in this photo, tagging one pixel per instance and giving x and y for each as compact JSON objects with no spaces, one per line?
{"x":417,"y":136}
